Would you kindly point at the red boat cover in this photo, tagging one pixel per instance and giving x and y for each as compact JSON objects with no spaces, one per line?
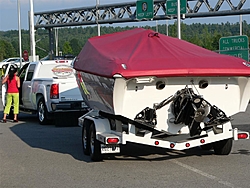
{"x":140,"y":52}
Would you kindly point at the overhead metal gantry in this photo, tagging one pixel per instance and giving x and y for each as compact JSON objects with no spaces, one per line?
{"x":126,"y":12}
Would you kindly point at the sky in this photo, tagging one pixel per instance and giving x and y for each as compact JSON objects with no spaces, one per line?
{"x":9,"y":12}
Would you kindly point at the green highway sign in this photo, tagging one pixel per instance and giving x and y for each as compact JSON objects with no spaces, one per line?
{"x":171,"y":7}
{"x":235,"y":46}
{"x":144,"y":9}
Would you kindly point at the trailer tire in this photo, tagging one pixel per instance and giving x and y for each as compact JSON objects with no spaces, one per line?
{"x":207,"y":147}
{"x":223,"y":147}
{"x":42,"y":112}
{"x":95,"y":145}
{"x":85,"y":140}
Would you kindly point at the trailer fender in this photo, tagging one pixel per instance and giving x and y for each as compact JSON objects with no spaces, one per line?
{"x":102,"y":125}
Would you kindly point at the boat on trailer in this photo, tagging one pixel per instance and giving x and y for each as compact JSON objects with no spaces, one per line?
{"x":148,"y":88}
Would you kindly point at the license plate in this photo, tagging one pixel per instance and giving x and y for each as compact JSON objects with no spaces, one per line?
{"x":110,"y":148}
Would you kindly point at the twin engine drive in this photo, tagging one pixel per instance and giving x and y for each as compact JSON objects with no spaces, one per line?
{"x":189,"y":109}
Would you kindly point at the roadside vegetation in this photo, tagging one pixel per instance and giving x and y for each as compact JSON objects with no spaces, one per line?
{"x":71,"y":40}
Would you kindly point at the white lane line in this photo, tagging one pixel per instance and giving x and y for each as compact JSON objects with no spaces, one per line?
{"x":204,"y":174}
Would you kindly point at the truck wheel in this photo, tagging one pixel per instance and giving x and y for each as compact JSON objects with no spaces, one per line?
{"x":207,"y":147}
{"x":42,"y":112}
{"x":223,"y":147}
{"x":95,"y":145}
{"x":85,"y":140}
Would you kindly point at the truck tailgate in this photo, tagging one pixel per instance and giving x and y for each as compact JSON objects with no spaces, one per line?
{"x":69,"y":91}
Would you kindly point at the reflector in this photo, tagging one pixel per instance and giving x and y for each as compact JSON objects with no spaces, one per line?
{"x":172,"y":145}
{"x":202,"y":141}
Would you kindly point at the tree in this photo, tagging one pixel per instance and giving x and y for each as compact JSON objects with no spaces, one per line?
{"x":75,"y":46}
{"x":2,"y":50}
{"x":67,"y":48}
{"x":215,"y":42}
{"x":71,"y":40}
{"x":207,"y":39}
{"x":6,"y":50}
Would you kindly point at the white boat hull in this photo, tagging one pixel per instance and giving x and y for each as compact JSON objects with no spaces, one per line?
{"x":128,"y":97}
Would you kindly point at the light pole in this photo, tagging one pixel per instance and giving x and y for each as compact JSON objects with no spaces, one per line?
{"x":98,"y":25}
{"x":19,"y":29}
{"x":56,"y":37}
{"x":32,"y":33}
{"x":179,"y":19}
{"x":240,"y":24}
{"x":156,"y":26}
{"x":167,"y":27}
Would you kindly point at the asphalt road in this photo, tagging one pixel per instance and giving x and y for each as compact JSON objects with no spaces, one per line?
{"x":36,"y":156}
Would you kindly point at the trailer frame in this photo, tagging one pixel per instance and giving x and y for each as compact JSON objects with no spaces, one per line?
{"x":110,"y":131}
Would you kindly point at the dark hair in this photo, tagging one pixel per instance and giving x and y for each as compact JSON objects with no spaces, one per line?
{"x":12,"y":72}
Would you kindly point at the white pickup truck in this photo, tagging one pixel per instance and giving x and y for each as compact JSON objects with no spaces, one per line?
{"x":49,"y":89}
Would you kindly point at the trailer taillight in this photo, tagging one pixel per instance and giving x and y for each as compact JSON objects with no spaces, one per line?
{"x":112,"y":140}
{"x":187,"y":145}
{"x":54,"y":91}
{"x":242,"y":135}
{"x":156,"y":143}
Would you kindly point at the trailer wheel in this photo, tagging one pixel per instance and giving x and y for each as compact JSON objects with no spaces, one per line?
{"x":85,"y":140}
{"x":42,"y":112}
{"x":207,"y":147}
{"x":95,"y":145}
{"x":223,"y":147}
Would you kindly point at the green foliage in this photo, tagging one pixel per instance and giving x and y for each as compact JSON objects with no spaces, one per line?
{"x":75,"y":46}
{"x":71,"y":40}
{"x":6,"y":49}
{"x":67,"y":48}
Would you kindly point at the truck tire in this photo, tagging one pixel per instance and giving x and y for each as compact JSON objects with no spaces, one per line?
{"x":85,"y":140}
{"x":95,"y":145}
{"x":223,"y":147}
{"x":42,"y":112}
